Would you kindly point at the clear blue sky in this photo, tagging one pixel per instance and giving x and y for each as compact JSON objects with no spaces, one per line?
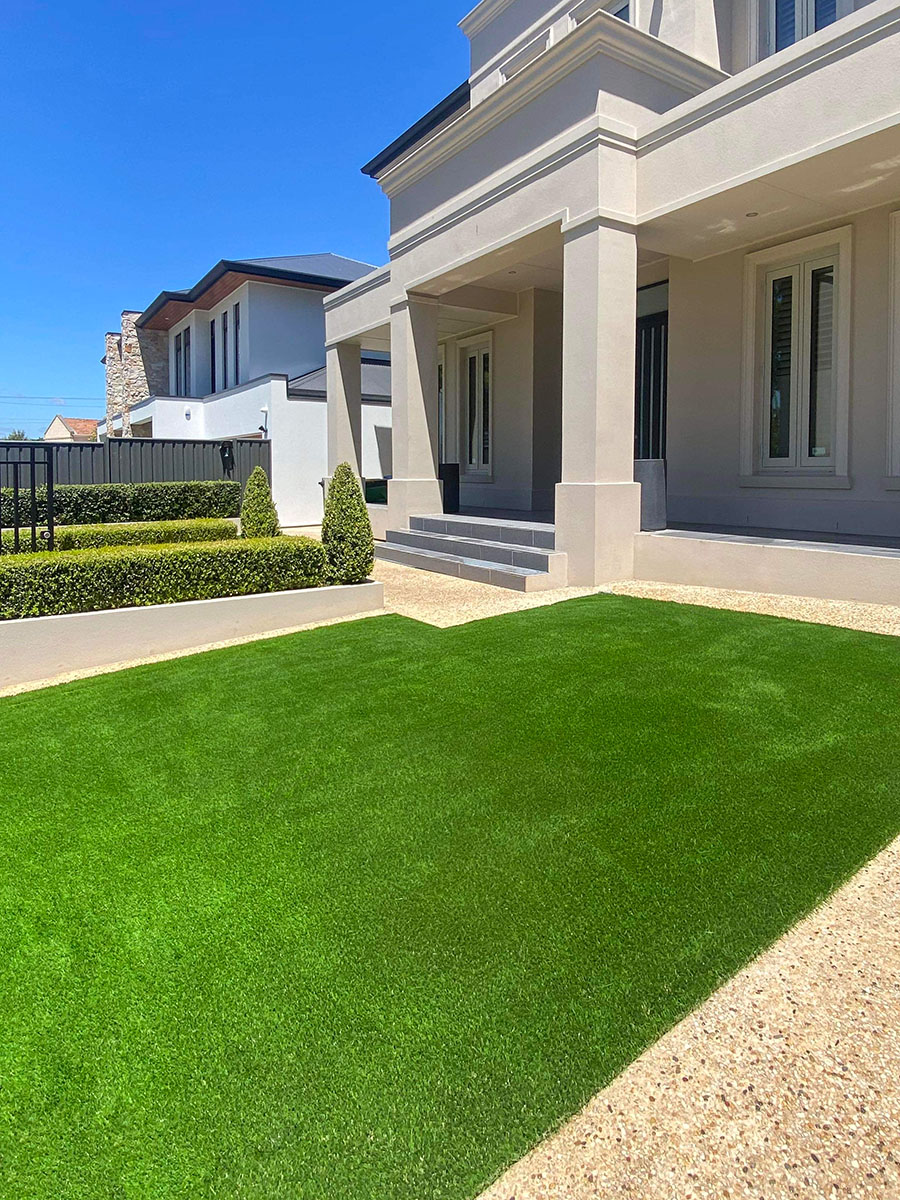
{"x":142,"y":142}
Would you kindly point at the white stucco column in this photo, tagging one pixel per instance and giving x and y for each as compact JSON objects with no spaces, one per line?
{"x":344,"y":384}
{"x":414,"y":488}
{"x":597,"y":501}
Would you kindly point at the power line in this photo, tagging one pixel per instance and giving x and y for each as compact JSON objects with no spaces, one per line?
{"x":17,"y":405}
{"x":55,"y":399}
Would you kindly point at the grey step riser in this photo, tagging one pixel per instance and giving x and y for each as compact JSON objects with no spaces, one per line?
{"x":495,"y":575}
{"x":512,"y":556}
{"x":542,"y":539}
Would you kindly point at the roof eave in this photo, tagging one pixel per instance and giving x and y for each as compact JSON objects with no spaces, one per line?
{"x":448,"y":107}
{"x":227,"y":265}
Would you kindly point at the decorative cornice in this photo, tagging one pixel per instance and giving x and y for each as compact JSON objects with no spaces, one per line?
{"x":600,"y":32}
{"x":772,"y":73}
{"x":482,"y":15}
{"x":583,"y":138}
{"x":359,"y":287}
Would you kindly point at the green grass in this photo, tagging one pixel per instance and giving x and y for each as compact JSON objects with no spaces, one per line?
{"x":363,"y":912}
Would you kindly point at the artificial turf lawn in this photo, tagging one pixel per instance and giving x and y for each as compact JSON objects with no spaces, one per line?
{"x":363,"y":912}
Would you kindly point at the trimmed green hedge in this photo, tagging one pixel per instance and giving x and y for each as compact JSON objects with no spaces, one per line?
{"x":258,"y":515}
{"x":37,"y":585}
{"x":346,"y":529}
{"x":134,"y":533}
{"x":100,"y":503}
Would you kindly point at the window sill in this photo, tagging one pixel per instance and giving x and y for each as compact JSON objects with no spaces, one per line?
{"x":798,"y":481}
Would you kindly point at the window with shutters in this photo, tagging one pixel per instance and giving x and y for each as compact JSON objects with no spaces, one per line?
{"x":477,"y":388}
{"x":796,"y":357}
{"x":798,"y":418}
{"x":777,"y":24}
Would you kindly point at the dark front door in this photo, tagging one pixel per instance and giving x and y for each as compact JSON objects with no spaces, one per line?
{"x":650,"y":386}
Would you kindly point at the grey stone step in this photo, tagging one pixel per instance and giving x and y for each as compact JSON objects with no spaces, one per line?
{"x":506,"y":553}
{"x":520,"y":579}
{"x":516,"y":533}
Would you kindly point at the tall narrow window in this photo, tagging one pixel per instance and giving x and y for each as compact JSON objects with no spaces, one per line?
{"x":791,"y":20}
{"x":821,"y":362}
{"x":486,"y":409}
{"x":187,"y":362}
{"x":212,"y":356}
{"x":236,"y":336}
{"x":225,"y":350}
{"x":179,"y":367}
{"x":784,"y":25}
{"x":477,"y":381}
{"x":800,"y":387}
{"x":472,"y":456}
{"x":441,"y":406}
{"x":781,"y":366}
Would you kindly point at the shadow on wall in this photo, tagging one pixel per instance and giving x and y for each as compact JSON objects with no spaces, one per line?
{"x":385,"y":450}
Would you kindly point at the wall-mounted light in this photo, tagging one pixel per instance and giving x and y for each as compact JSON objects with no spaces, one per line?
{"x":264,"y":428}
{"x":187,"y":414}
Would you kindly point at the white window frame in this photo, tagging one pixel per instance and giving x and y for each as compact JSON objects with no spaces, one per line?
{"x":762,"y":34}
{"x":893,"y":439}
{"x":480,"y":343}
{"x":798,"y":258}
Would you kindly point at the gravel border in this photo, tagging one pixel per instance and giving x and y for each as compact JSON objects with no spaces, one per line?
{"x":846,"y":614}
{"x":784,"y":1084}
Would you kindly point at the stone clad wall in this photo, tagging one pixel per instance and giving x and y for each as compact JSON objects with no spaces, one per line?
{"x":137,"y":366}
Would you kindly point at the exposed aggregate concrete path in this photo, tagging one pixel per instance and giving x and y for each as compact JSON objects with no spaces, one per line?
{"x":784,"y":1084}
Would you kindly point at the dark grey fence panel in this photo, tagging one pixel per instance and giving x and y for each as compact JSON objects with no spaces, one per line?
{"x":140,"y":460}
{"x":78,"y":462}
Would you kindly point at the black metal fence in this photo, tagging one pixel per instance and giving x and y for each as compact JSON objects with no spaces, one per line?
{"x":28,"y":520}
{"x":134,"y":460}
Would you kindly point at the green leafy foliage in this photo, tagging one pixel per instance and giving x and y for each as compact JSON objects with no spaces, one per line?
{"x":133,"y":533}
{"x":99,"y":503}
{"x":258,"y":515}
{"x":36,"y":585}
{"x":346,"y":529}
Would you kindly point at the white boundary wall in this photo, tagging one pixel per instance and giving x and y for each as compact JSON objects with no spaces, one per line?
{"x":42,"y":648}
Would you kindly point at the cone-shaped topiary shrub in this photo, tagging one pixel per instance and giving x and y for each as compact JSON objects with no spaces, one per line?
{"x":346,"y":529}
{"x":258,"y":515}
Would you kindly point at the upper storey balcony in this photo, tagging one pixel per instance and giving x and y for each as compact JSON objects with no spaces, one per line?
{"x":730,"y":35}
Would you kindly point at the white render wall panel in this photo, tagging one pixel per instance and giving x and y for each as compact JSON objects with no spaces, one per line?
{"x":775,"y":112}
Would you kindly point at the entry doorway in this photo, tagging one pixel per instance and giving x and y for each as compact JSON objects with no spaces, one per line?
{"x":651,"y":371}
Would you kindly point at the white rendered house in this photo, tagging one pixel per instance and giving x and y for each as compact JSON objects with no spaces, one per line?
{"x":647,"y":242}
{"x":242,"y":354}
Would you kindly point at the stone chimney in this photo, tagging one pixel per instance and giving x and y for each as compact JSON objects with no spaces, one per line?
{"x":137,"y":366}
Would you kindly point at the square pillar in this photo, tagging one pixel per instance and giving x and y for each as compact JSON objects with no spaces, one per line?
{"x":597,"y":501}
{"x":344,"y":375}
{"x":414,"y":489}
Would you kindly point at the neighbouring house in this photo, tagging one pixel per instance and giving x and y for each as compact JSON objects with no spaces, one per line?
{"x":71,"y":429}
{"x":647,"y":257}
{"x":242,"y":354}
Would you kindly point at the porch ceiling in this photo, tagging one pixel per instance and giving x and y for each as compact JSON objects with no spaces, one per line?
{"x":850,"y":178}
{"x":532,"y":261}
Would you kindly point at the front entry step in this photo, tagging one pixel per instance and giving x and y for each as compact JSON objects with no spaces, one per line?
{"x":510,"y":554}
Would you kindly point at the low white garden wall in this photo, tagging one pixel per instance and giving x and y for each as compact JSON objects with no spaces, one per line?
{"x":42,"y":648}
{"x":821,"y":570}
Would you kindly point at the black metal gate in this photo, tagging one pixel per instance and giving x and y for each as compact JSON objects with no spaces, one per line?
{"x":650,"y":386}
{"x":25,"y":510}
